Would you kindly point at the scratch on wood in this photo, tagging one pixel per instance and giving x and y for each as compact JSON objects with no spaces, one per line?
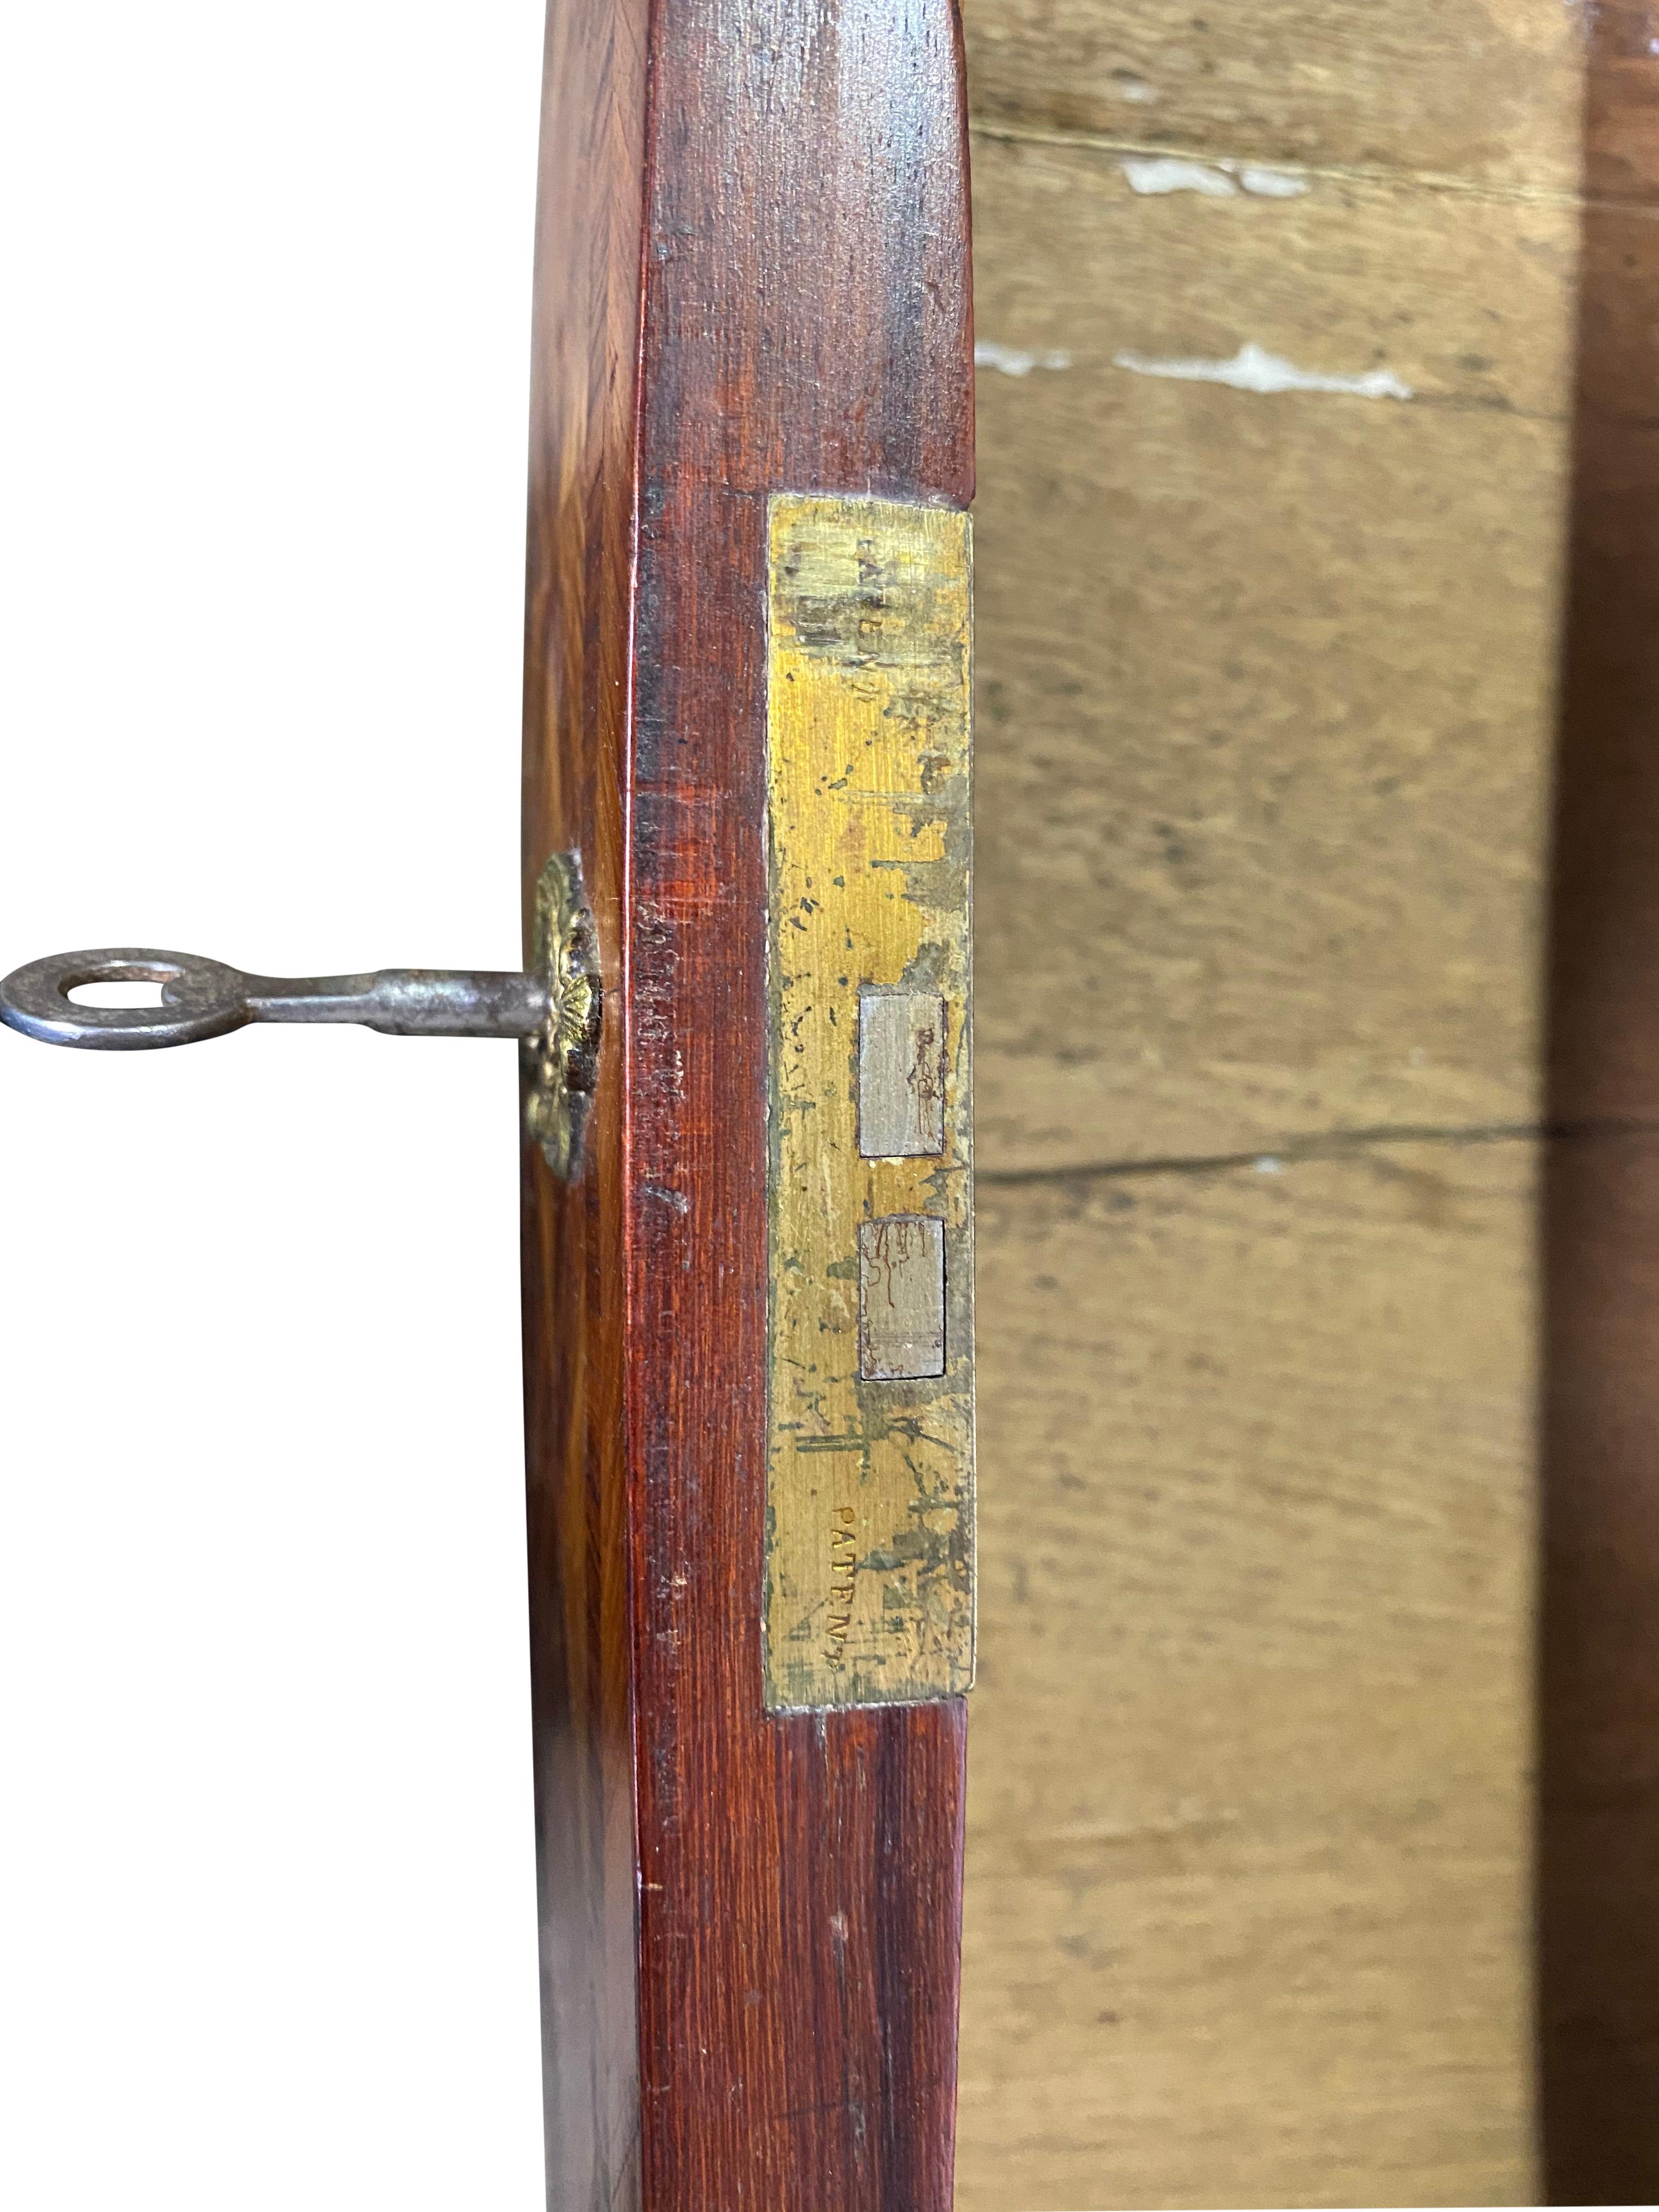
{"x":1253,"y":368}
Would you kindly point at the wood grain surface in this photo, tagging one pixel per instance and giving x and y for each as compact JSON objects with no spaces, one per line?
{"x":578,"y":675}
{"x":1268,"y":683}
{"x":1245,"y":1919}
{"x":1265,"y":678}
{"x":789,"y":199}
{"x":1461,"y":94}
{"x":801,"y":1878}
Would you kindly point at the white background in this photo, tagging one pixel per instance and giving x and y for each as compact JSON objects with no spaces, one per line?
{"x":267,"y":1919}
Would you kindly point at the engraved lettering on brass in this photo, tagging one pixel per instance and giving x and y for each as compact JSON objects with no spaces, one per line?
{"x":900,"y":1075}
{"x":900,"y":1298}
{"x":843,"y":1565}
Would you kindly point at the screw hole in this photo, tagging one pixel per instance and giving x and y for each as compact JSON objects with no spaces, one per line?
{"x":133,"y":993}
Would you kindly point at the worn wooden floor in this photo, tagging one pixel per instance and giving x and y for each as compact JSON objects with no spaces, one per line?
{"x":1268,"y":658}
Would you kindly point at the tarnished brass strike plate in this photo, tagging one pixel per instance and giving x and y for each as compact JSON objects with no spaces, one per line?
{"x":869,"y":1590}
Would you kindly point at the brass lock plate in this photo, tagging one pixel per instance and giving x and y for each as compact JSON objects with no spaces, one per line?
{"x":869,"y":1589}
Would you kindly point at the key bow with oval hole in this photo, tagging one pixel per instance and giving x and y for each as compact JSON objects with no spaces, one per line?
{"x":554,"y":1008}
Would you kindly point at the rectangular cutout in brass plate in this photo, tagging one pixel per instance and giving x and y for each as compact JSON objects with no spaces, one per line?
{"x":869,"y":1591}
{"x":901,"y":1298}
{"x":902,"y":1041}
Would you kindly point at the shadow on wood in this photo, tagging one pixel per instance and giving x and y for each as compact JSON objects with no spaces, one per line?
{"x":1598,"y":1870}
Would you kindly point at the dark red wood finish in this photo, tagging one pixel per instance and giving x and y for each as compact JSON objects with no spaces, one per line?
{"x":577,"y":681}
{"x":765,"y":207}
